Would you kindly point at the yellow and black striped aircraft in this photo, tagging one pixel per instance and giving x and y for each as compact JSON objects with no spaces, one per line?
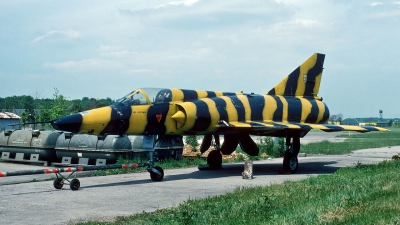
{"x":290,"y":110}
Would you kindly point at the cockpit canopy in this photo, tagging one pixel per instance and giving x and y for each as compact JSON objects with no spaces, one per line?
{"x":146,"y":96}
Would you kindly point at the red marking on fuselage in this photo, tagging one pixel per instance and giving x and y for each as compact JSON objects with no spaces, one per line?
{"x":159,"y":117}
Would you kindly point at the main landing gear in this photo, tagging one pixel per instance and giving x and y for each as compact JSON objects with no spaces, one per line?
{"x":231,"y":141}
{"x":214,"y":158}
{"x":290,"y":161}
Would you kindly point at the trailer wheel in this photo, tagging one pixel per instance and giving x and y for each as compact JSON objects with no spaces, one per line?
{"x":155,"y":176}
{"x":74,"y":184}
{"x":58,"y":183}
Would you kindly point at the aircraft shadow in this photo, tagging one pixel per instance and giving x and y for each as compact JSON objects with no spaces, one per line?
{"x":234,"y":170}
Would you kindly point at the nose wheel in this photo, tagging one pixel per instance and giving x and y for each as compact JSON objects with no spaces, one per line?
{"x":157,"y":176}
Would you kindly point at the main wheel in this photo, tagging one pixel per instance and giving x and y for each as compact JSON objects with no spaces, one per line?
{"x":214,"y":159}
{"x":74,"y":184}
{"x":155,"y":176}
{"x":290,"y":163}
{"x":58,"y":183}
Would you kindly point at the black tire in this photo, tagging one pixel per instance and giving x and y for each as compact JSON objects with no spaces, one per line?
{"x":155,"y":176}
{"x":74,"y":184}
{"x":290,"y":163}
{"x":58,"y":183}
{"x":214,"y":160}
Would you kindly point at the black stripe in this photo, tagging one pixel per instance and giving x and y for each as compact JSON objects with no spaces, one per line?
{"x":189,"y":95}
{"x":211,"y":94}
{"x":326,"y":115}
{"x":228,"y":93}
{"x":313,"y":116}
{"x":278,"y":114}
{"x":272,"y":92}
{"x":334,"y":127}
{"x":312,"y":74}
{"x":257,"y":103}
{"x":153,"y":126}
{"x":239,"y":108}
{"x":369,"y":128}
{"x":119,"y":122}
{"x":221,"y":108}
{"x":294,"y":109}
{"x":291,"y":84}
{"x":203,"y":116}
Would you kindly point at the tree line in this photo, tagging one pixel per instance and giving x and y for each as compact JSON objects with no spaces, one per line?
{"x":32,"y":109}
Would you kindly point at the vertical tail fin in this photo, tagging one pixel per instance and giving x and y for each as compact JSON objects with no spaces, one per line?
{"x":303,"y":81}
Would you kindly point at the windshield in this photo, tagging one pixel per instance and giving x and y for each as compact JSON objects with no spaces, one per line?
{"x":134,"y":98}
{"x":144,"y":96}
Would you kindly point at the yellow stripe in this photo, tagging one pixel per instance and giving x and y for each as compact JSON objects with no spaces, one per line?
{"x":247,"y":108}
{"x":138,"y":119}
{"x":306,"y":109}
{"x":304,"y":68}
{"x":269,"y":108}
{"x":170,"y":123}
{"x":177,"y":95}
{"x":240,"y":124}
{"x":215,"y":117}
{"x":201,"y":94}
{"x":96,"y":120}
{"x":231,"y":110}
{"x":280,"y":88}
{"x":353,"y":128}
{"x":218,"y":93}
{"x":285,"y":108}
{"x":190,"y":111}
{"x":289,"y":125}
{"x":321,"y":111}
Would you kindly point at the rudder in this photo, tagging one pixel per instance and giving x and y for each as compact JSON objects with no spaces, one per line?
{"x":303,"y":81}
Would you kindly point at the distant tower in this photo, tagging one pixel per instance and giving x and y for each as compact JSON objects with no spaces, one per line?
{"x":380,"y":114}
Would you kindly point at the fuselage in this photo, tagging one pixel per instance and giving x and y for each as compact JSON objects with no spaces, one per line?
{"x":178,"y":111}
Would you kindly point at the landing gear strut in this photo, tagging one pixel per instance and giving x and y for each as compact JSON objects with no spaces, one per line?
{"x":214,"y":158}
{"x":290,"y":161}
{"x":156,"y":172}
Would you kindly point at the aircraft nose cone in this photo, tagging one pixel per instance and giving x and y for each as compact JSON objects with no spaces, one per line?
{"x":71,"y":123}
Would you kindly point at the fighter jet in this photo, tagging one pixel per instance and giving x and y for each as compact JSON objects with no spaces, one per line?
{"x":289,"y":110}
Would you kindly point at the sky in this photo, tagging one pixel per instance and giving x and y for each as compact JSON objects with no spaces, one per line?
{"x":101,"y":49}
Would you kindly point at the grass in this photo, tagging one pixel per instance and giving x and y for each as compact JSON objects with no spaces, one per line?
{"x":354,"y":141}
{"x":364,"y":194}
